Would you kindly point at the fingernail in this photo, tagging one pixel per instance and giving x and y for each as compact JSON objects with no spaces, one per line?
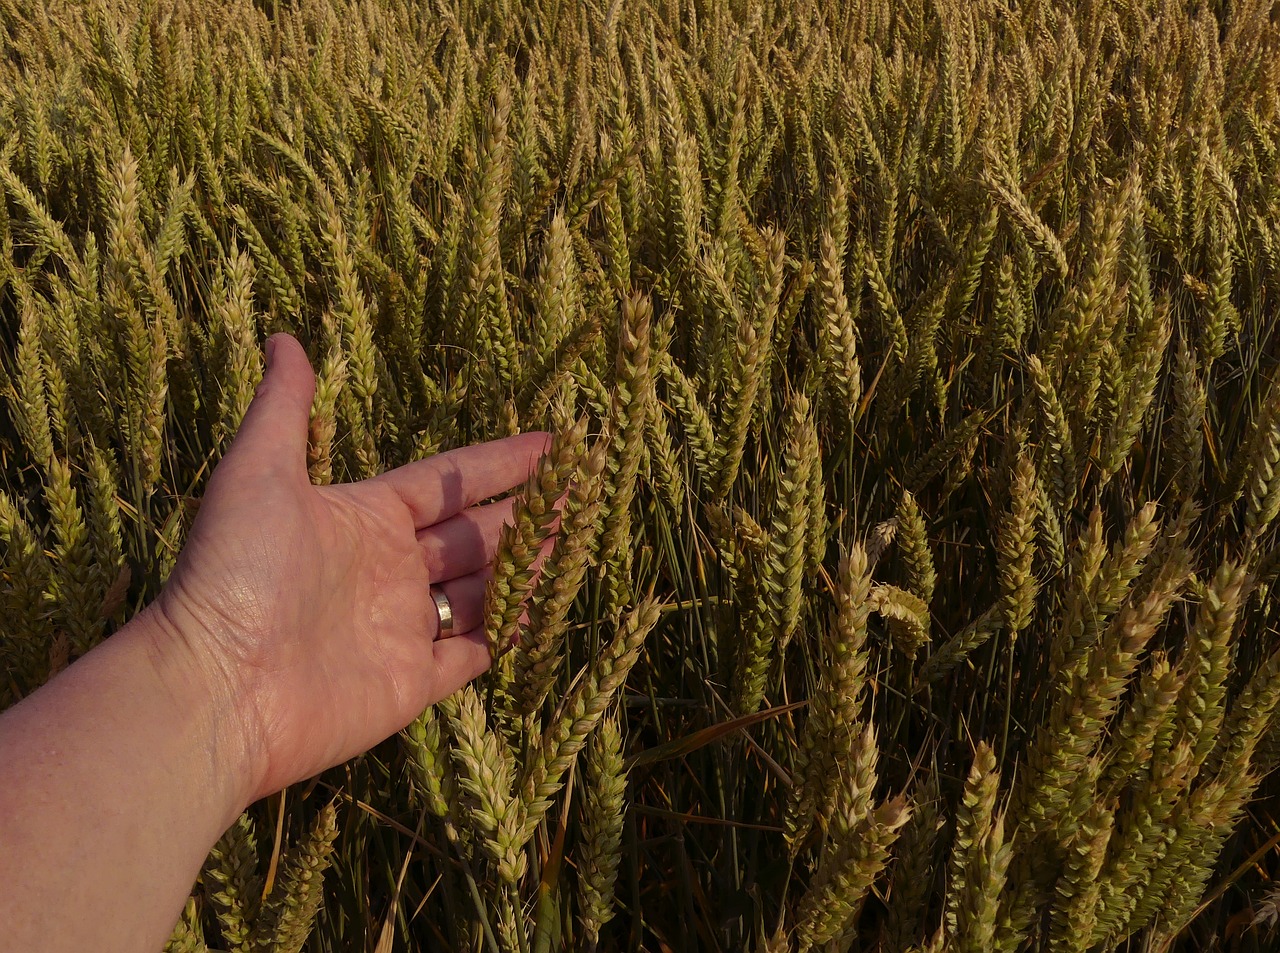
{"x":270,"y":350}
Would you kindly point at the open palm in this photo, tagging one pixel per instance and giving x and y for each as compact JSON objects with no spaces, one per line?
{"x":311,"y":606}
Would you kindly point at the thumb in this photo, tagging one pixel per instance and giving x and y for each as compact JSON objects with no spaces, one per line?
{"x":273,"y":434}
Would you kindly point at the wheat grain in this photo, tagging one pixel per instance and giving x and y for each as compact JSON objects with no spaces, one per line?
{"x":485,"y":772}
{"x":521,"y":540}
{"x":601,"y":831}
{"x":232,"y":868}
{"x":289,"y":913}
{"x":1018,"y":584}
{"x":834,"y":717}
{"x":629,"y":418}
{"x":580,"y":713}
{"x":837,"y":340}
{"x":906,"y":615}
{"x":538,"y":652}
{"x":838,"y":889}
{"x":913,"y":546}
{"x":787,"y":540}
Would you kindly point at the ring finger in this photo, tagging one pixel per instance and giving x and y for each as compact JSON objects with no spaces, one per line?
{"x":465,"y":595}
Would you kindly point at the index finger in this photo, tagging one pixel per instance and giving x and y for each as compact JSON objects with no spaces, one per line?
{"x":438,"y":487}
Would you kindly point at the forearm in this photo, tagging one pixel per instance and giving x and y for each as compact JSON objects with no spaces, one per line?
{"x":115,"y":780}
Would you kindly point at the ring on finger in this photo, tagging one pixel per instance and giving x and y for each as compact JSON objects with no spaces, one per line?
{"x":445,"y":613}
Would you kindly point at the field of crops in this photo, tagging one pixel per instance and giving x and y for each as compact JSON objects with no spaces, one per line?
{"x":914,"y":369}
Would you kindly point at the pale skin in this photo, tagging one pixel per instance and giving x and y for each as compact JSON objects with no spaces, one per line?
{"x":296,"y":632}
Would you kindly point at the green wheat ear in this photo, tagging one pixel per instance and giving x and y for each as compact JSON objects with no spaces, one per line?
{"x":235,"y":886}
{"x":288,"y":914}
{"x":186,"y":937}
{"x":602,"y":822}
{"x":913,"y":546}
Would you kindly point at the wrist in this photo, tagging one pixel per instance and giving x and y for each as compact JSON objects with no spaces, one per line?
{"x":116,"y":778}
{"x":204,"y":705}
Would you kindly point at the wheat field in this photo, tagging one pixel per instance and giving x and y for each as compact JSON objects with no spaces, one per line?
{"x":912,"y":367}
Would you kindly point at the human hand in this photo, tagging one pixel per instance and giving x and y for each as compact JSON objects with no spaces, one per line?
{"x":307,"y":609}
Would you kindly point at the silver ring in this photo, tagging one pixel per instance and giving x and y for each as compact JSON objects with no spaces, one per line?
{"x":445,"y":611}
